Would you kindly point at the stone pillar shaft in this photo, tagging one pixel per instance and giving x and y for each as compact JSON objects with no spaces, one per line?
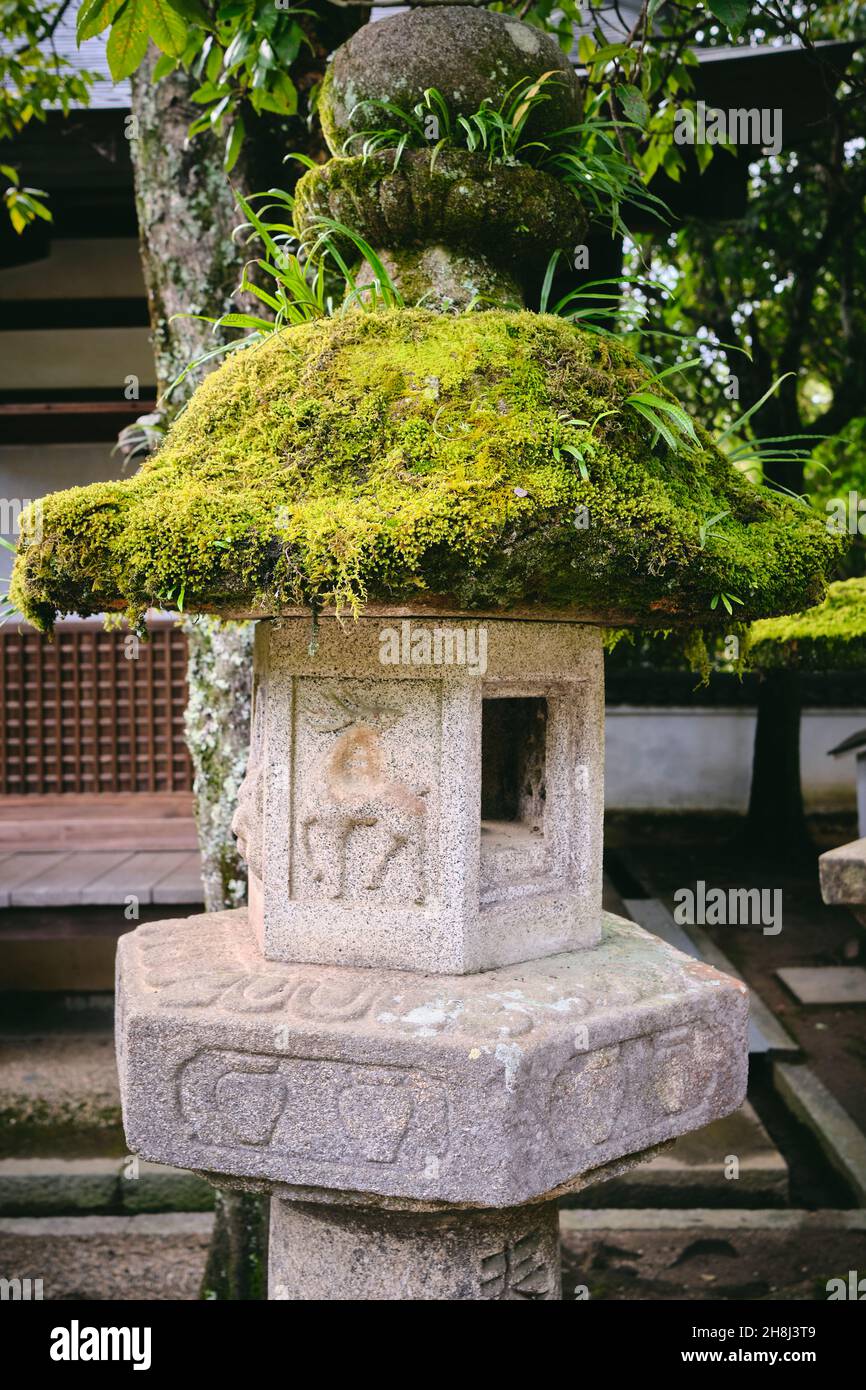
{"x":343,"y":1254}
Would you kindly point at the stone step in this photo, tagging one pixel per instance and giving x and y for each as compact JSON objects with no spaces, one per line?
{"x":693,"y":1171}
{"x":91,"y":878}
{"x":72,"y":949}
{"x":128,"y":821}
{"x":842,"y":1141}
{"x":109,"y":1257}
{"x":37,"y":1187}
{"x":59,"y":1095}
{"x":643,"y":1253}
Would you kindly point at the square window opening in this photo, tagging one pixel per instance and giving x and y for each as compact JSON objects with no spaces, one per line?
{"x":513,"y":763}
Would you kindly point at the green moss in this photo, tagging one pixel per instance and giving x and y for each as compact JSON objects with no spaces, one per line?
{"x":514,"y":214}
{"x":830,"y":637}
{"x":384,"y":456}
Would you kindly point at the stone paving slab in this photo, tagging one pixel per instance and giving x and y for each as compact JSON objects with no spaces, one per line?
{"x":843,"y":874}
{"x":710,"y":1218}
{"x":825,"y":984}
{"x":766,"y":1034}
{"x":840,"y":1138}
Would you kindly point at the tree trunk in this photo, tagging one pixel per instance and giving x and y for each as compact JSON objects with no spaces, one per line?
{"x":217,"y":732}
{"x":776,"y":818}
{"x":186,"y":214}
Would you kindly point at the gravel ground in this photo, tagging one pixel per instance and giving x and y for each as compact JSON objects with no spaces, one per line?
{"x":708,"y":1264}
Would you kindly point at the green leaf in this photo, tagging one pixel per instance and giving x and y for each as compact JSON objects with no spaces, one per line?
{"x":127,"y":42}
{"x":164,"y":65}
{"x":282,"y":98}
{"x":606,"y":54}
{"x":703,"y":155}
{"x":737,"y":425}
{"x":94,"y":16}
{"x":732,"y":13}
{"x":244,"y":321}
{"x":210,"y":91}
{"x":192,"y":10}
{"x":676,"y":412}
{"x":633,"y":104}
{"x":167,"y":29}
{"x":657,"y":423}
{"x":233,"y":144}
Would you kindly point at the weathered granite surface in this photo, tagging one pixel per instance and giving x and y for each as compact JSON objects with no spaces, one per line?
{"x":469,"y":55}
{"x":843,"y":877}
{"x":340,"y":1254}
{"x":488,"y":1089}
{"x":361,"y":814}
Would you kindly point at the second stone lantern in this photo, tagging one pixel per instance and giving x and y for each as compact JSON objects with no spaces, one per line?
{"x":424,"y":1029}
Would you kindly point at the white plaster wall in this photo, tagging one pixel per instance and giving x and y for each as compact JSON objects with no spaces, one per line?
{"x":75,"y":358}
{"x":700,"y":759}
{"x":78,"y":268}
{"x":28,"y":471}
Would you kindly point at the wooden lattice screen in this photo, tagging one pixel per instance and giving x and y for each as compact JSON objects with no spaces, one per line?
{"x":85,"y":713}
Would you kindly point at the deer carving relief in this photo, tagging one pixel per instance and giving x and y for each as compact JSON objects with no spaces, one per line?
{"x":351,"y":789}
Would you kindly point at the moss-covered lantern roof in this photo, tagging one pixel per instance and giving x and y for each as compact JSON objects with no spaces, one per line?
{"x":829,"y":637}
{"x":487,"y":461}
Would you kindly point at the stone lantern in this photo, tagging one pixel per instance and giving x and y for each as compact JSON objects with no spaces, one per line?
{"x":424,"y":1029}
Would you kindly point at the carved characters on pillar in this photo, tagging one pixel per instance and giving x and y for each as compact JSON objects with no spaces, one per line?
{"x":520,"y":1270}
{"x":350,"y":791}
{"x":248,"y":819}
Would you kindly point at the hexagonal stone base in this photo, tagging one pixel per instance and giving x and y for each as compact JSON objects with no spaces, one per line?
{"x":486,"y":1089}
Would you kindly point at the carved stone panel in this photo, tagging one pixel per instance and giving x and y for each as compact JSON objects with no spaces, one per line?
{"x":363,"y":812}
{"x":366,"y":768}
{"x":333,"y":1111}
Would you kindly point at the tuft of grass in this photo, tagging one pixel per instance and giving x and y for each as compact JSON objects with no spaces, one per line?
{"x":294,"y":279}
{"x":587,"y":157}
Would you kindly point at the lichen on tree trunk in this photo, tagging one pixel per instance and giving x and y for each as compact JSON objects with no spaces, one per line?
{"x":217,"y":732}
{"x":236,"y":1267}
